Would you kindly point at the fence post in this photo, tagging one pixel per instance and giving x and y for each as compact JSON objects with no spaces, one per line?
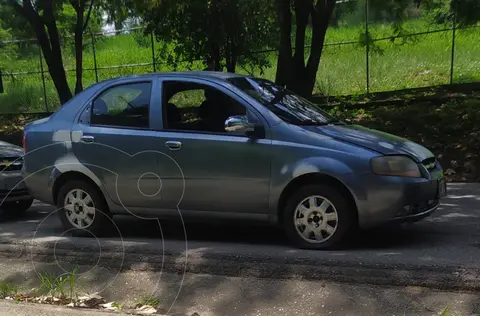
{"x":1,"y":81}
{"x":454,"y":28}
{"x":367,"y":47}
{"x":94,"y":56}
{"x":153,"y":53}
{"x":43,"y":79}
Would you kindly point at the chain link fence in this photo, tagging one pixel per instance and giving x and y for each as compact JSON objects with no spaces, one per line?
{"x":356,"y":59}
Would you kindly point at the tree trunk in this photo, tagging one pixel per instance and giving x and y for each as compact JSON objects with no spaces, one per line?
{"x":321,"y":15}
{"x":50,"y":44}
{"x":118,"y":25}
{"x":284,"y":62}
{"x":303,"y":9}
{"x":231,"y":55}
{"x":79,"y":46}
{"x":233,"y":63}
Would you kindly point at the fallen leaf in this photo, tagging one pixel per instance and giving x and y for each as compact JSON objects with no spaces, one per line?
{"x":109,"y":306}
{"x":145,"y":310}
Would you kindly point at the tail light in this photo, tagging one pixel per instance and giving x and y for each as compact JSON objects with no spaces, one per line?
{"x":24,"y":142}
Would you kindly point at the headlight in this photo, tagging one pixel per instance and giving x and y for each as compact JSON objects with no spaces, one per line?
{"x":400,"y":166}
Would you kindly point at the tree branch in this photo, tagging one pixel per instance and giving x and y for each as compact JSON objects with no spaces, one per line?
{"x":87,"y":18}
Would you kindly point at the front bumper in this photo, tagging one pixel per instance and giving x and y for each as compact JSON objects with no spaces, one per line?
{"x":417,"y":216}
{"x":388,"y":199}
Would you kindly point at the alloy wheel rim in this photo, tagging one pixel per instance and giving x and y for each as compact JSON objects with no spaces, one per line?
{"x":315,"y":219}
{"x":79,"y":208}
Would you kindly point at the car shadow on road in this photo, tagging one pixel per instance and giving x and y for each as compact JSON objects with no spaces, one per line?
{"x":259,"y":233}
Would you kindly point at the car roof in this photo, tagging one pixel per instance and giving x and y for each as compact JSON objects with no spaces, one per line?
{"x":216,"y":75}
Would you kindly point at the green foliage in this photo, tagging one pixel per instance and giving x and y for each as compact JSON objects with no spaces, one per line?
{"x":7,"y":52}
{"x":419,"y":64}
{"x":148,"y":300}
{"x":117,"y":305}
{"x":117,"y":11}
{"x":8,"y":290}
{"x":220,"y":30}
{"x":55,"y":285}
{"x":443,"y":11}
{"x":445,"y":312}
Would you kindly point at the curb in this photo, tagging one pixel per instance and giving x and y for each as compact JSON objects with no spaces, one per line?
{"x":225,"y":264}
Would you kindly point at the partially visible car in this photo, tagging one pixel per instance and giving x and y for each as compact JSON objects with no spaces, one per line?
{"x":14,"y":195}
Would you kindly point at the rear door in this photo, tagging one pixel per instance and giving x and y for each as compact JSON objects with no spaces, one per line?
{"x":113,"y":138}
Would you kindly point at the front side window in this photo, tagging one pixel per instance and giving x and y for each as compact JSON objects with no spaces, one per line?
{"x":287,"y":105}
{"x":123,"y":106}
{"x":190,"y":106}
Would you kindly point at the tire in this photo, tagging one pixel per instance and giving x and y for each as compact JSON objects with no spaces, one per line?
{"x":16,"y":208}
{"x":96,"y":224}
{"x":329,"y":233}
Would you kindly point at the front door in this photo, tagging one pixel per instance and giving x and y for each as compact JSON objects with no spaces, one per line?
{"x":223,"y":171}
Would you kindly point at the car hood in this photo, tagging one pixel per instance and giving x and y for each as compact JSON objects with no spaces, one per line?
{"x":378,"y":141}
{"x":10,"y":150}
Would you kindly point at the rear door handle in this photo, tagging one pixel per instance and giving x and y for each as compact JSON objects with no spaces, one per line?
{"x":87,"y":139}
{"x":173,"y":145}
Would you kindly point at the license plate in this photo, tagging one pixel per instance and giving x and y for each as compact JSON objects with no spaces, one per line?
{"x":14,"y":183}
{"x":442,"y":188}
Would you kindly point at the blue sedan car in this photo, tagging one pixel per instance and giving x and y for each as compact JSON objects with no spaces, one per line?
{"x":222,"y":145}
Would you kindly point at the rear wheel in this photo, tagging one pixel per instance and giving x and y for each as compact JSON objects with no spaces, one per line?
{"x":82,"y":209}
{"x":318,"y":217}
{"x":16,"y":208}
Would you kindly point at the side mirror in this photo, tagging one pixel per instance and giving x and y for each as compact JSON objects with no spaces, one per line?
{"x":239,"y":124}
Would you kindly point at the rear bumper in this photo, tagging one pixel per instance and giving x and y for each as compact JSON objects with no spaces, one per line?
{"x":15,"y":195}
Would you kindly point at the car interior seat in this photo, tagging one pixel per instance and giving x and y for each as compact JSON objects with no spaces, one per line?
{"x":174,"y":117}
{"x":100,"y":107}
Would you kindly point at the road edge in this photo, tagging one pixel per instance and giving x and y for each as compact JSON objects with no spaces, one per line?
{"x":439,"y":278}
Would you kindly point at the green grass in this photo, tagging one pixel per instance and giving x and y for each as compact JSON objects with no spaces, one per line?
{"x":148,"y":301}
{"x":55,"y":285}
{"x":8,"y":290}
{"x":422,"y":61}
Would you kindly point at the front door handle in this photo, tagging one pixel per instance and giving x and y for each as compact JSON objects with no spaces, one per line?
{"x":173,"y":145}
{"x":87,"y":139}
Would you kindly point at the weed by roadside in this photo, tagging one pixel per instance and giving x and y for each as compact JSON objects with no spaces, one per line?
{"x":148,"y":300}
{"x":8,"y":290}
{"x":55,"y":285}
{"x":445,"y":312}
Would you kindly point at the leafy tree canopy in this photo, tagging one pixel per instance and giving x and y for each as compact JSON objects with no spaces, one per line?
{"x":222,"y":32}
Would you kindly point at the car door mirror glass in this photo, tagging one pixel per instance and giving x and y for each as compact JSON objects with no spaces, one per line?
{"x":238,"y":124}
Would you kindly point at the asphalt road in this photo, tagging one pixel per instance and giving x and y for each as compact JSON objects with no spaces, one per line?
{"x":444,"y":248}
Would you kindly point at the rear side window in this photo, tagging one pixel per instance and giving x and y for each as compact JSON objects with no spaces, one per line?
{"x":123,"y":106}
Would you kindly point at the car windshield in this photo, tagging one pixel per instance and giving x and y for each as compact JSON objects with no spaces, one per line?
{"x":287,"y":105}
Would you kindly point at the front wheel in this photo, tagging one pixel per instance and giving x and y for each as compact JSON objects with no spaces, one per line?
{"x":317,"y":217}
{"x":82,"y":209}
